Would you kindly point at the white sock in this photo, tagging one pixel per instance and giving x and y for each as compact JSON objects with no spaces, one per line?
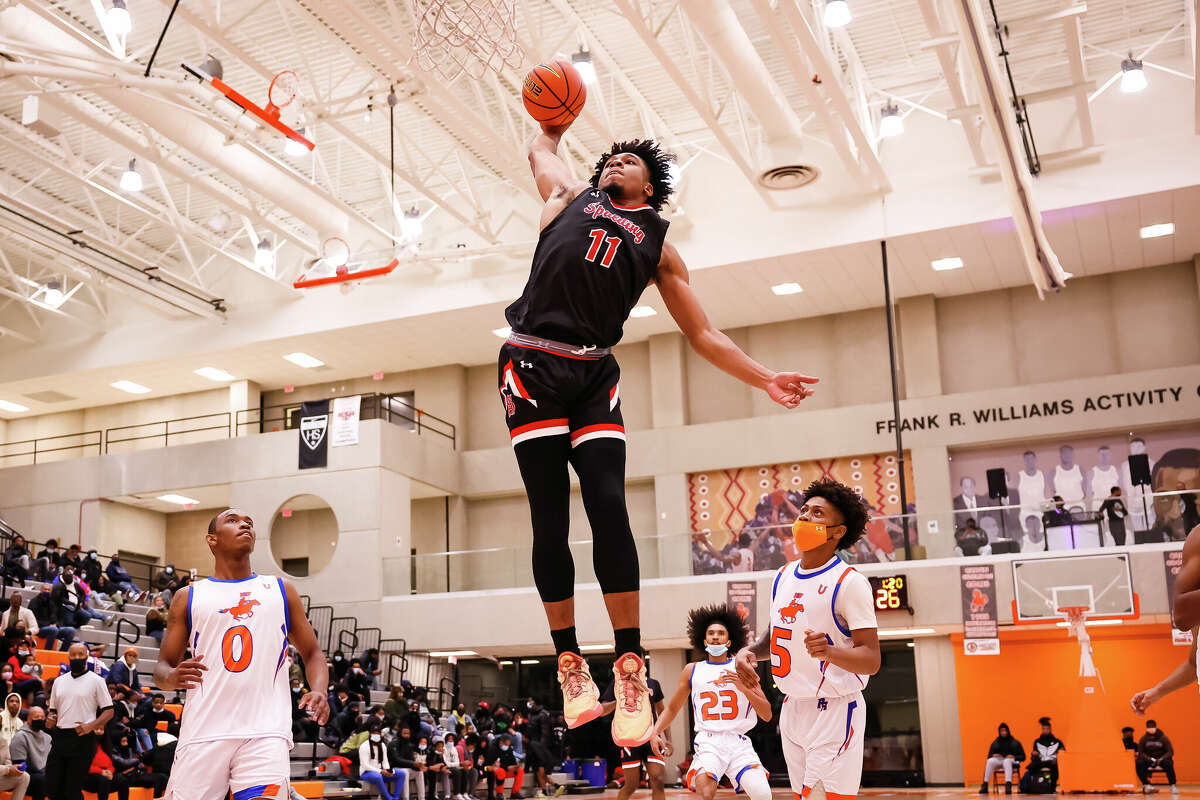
{"x":754,"y":784}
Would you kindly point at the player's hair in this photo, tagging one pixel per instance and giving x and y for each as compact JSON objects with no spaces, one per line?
{"x":657,"y":160}
{"x":1043,"y":721}
{"x":700,"y":618}
{"x":854,"y":510}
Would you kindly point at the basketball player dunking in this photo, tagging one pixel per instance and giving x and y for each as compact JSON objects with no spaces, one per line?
{"x":237,"y":723}
{"x":601,"y":244}
{"x":1185,"y":615}
{"x":725,"y":707}
{"x":823,"y":644}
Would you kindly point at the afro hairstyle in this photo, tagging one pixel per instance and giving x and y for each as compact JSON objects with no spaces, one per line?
{"x":700,"y":618}
{"x":658,"y":163}
{"x":854,"y":510}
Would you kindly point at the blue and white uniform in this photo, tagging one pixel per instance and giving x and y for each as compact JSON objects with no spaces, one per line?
{"x":723,"y":715}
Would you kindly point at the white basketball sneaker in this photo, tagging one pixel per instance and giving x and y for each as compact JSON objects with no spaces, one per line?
{"x":633,"y":719}
{"x":581,"y":698}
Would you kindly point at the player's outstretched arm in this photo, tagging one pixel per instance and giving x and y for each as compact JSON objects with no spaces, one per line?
{"x":1181,"y":676}
{"x":1185,"y":607}
{"x":173,"y":671}
{"x":674,"y":705}
{"x":785,"y":388}
{"x":316,"y":668}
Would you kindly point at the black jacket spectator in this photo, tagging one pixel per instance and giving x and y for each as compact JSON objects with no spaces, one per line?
{"x":402,"y":750}
{"x":1007,"y":746}
{"x":339,"y":665}
{"x":358,"y":682}
{"x":45,"y":611}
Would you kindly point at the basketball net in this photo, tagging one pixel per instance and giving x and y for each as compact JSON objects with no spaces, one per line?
{"x":1076,"y":616}
{"x":472,"y":36}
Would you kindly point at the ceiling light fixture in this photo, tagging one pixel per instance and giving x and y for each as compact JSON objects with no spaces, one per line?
{"x":890,"y":122}
{"x":370,"y":108}
{"x":219,"y":222}
{"x":837,"y":14}
{"x":294,"y":148}
{"x":528,"y":661}
{"x":130,"y":386}
{"x":131,"y":179}
{"x":118,"y":19}
{"x":943,"y":264}
{"x":178,"y":499}
{"x":213,"y":374}
{"x":304,"y":360}
{"x":502,"y":332}
{"x":583,"y":63}
{"x":505,"y":663}
{"x":884,"y":632}
{"x":1158,"y":229}
{"x":674,"y":174}
{"x":642,"y":311}
{"x":1133,"y":77}
{"x":15,"y":408}
{"x":791,"y":287}
{"x":412,"y":226}
{"x":52,"y":295}
{"x":264,"y":255}
{"x":450,"y":653}
{"x":595,"y":648}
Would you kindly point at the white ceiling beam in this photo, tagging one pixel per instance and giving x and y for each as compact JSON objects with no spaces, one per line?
{"x":946,"y":44}
{"x":1039,"y":20}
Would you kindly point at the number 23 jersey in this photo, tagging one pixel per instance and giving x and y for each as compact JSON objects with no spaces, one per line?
{"x":718,"y":704}
{"x":240,"y":629}
{"x":833,"y":599}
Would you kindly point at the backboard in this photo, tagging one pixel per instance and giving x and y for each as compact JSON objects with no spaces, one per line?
{"x":1103,"y":584}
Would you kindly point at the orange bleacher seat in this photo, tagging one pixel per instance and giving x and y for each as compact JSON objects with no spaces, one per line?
{"x":135,"y":793}
{"x":50,"y":659}
{"x":161,"y":725}
{"x":176,"y":709}
{"x":309,"y":789}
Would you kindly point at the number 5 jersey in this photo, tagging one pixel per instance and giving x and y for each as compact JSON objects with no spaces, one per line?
{"x":239,"y":628}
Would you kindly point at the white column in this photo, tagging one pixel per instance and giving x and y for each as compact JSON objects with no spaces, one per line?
{"x":931,"y":476}
{"x":920,"y":364}
{"x":937,"y":701}
{"x":395,"y":532}
{"x":668,"y":396}
{"x":668,"y":380}
{"x":243,"y":396}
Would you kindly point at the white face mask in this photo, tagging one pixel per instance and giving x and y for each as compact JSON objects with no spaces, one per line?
{"x":375,"y":737}
{"x":716,"y":650}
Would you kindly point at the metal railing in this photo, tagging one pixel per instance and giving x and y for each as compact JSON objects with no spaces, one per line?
{"x":120,"y":636}
{"x":165,"y":429}
{"x":393,"y":408}
{"x":44,"y":446}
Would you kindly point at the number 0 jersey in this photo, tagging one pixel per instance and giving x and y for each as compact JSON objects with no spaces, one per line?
{"x":240,"y":629}
{"x":718,"y":704}
{"x":833,"y":599}
{"x":591,"y":264}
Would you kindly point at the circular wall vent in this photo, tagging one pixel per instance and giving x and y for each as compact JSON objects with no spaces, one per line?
{"x":789,"y":176}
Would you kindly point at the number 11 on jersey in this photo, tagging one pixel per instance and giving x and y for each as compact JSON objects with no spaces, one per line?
{"x":598,"y":238}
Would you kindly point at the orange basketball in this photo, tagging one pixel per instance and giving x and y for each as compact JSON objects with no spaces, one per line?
{"x":554,"y":93}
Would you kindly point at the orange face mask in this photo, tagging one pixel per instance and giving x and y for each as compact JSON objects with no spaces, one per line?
{"x":808,"y":535}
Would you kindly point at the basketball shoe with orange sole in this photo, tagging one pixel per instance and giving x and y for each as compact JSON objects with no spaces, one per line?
{"x":633,"y":719}
{"x":581,"y":698}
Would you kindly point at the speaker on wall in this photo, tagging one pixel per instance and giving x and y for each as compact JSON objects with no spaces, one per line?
{"x":1139,"y":469}
{"x":997,"y":486}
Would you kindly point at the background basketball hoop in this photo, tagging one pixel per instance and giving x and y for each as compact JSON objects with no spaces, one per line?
{"x":1077,"y":622}
{"x":281,"y":92}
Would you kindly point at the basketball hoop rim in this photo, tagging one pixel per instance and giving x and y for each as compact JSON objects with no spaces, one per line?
{"x":1136,"y":614}
{"x":1073,"y":614}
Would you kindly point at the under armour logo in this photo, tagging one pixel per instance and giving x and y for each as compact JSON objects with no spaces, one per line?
{"x":526,"y":365}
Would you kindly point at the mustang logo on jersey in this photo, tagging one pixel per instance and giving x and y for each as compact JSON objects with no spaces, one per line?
{"x":595,"y":210}
{"x":244,"y":608}
{"x":788,"y":613}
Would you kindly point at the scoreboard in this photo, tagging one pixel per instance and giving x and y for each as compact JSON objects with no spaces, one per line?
{"x":890,"y":592}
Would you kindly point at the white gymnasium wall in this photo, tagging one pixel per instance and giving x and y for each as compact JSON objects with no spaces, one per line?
{"x":184,"y":535}
{"x":132,"y":529}
{"x":311,"y":533}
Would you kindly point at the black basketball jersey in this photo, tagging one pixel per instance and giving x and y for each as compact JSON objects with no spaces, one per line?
{"x":591,"y":265}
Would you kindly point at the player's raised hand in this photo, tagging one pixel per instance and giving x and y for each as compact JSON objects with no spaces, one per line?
{"x":817,"y":644}
{"x":732,"y":676}
{"x":1141,"y":701}
{"x":746,"y":665}
{"x":789,"y":388}
{"x":317,"y":706}
{"x":190,"y":673}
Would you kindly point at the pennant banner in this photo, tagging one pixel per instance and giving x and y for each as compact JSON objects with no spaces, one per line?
{"x":345,"y":421}
{"x":314,"y":439}
{"x":981,"y":634}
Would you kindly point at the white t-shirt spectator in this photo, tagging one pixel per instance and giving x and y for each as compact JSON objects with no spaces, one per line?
{"x":368,"y":764}
{"x":23,"y":615}
{"x":81,"y":700}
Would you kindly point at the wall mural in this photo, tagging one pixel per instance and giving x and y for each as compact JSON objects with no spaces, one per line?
{"x":741,"y":518}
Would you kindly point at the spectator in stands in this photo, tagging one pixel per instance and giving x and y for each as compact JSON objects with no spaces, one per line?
{"x":1127,"y":739}
{"x":120,"y":579}
{"x":12,"y":670}
{"x":1113,"y":507}
{"x":85,"y":604}
{"x":345,"y":723}
{"x":123,"y":672}
{"x":461,"y":719}
{"x":1155,"y":752}
{"x":501,"y":764}
{"x":537,"y":733}
{"x":414,"y":723}
{"x":437,"y":774}
{"x":46,"y":613}
{"x":395,"y":708}
{"x":129,"y":768}
{"x":31,"y":745}
{"x":303,"y":727}
{"x":84,"y":707}
{"x":473,"y":761}
{"x":1044,"y":753}
{"x":16,"y":613}
{"x":67,"y":596}
{"x":72,"y":557}
{"x":971,"y":540}
{"x":403,"y":757}
{"x":103,"y":775}
{"x":1004,"y":752}
{"x":146,"y":724}
{"x":454,"y":766}
{"x":10,"y":717}
{"x":370,"y":664}
{"x":358,"y":682}
{"x":166,"y":582}
{"x":12,"y":777}
{"x":1057,"y":516}
{"x":48,"y":560}
{"x":559,"y":731}
{"x":17,"y":560}
{"x":374,"y":767}
{"x":483,"y":719}
{"x":339,"y":698}
{"x":340,"y":666}
{"x":156,"y":619}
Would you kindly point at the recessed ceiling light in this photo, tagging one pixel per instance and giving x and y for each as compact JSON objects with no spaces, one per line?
{"x":592,"y":648}
{"x":502,"y":332}
{"x":884,"y":632}
{"x":304,"y":360}
{"x":214,"y":374}
{"x":528,"y":661}
{"x":943,"y":264}
{"x":16,"y":408}
{"x":791,"y":287}
{"x":178,"y":499}
{"x":455,"y":653}
{"x":642,"y":311}
{"x":505,"y":663}
{"x":130,"y":386}
{"x":1159,"y":229}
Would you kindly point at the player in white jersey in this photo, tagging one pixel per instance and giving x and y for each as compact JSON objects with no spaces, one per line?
{"x":823,"y":645}
{"x":1185,"y":615}
{"x":725,"y":707}
{"x":237,"y":721}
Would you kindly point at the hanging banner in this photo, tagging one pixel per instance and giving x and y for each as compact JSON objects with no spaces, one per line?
{"x":314,"y":441}
{"x":742,"y":597}
{"x":1172,"y":561}
{"x":981,"y":636}
{"x":344,"y":429}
